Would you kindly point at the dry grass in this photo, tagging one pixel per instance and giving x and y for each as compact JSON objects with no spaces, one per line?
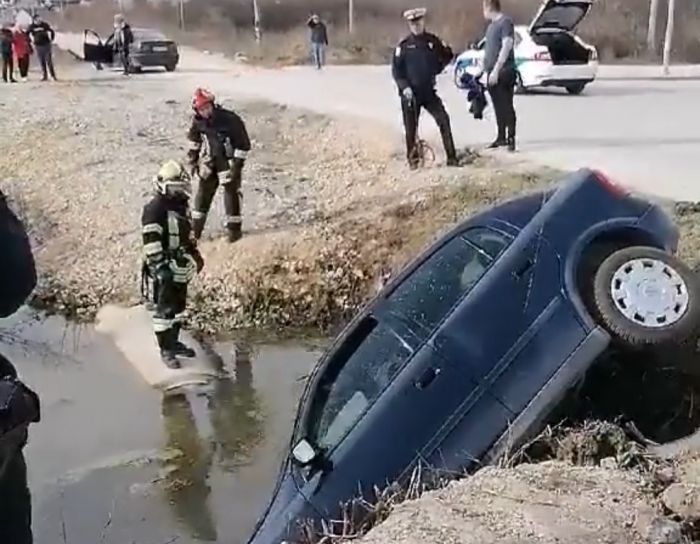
{"x":617,"y":27}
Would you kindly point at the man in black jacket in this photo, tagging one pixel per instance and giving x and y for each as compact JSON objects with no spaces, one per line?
{"x":219,"y":146}
{"x":43,"y":36}
{"x":19,"y":405}
{"x":123,"y":38}
{"x":417,"y":61}
{"x":8,"y":71}
{"x":319,"y":40}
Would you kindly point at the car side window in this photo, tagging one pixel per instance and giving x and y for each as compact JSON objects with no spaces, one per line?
{"x":429,"y":293}
{"x":364,"y":366}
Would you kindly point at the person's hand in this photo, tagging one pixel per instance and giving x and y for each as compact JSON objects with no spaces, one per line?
{"x":492,"y":78}
{"x":407,"y":93}
{"x":164,"y":273}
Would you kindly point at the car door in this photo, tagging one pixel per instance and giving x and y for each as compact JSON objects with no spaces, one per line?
{"x":486,"y":334}
{"x":96,"y":51}
{"x":562,"y":15}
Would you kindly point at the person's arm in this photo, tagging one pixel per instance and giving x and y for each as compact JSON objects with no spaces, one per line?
{"x":444,"y":51}
{"x":194,"y":137}
{"x":507,"y":42}
{"x":152,"y":235}
{"x":52,"y":33}
{"x":325,"y":34}
{"x":398,"y":69}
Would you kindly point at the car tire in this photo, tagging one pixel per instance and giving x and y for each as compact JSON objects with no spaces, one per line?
{"x":519,"y":86}
{"x":170,"y":67}
{"x":575,"y":89}
{"x":645,"y":297}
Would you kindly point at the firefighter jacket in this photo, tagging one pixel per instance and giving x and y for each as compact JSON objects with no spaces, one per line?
{"x":168,"y":239}
{"x":221,"y":141}
{"x":417,"y":61}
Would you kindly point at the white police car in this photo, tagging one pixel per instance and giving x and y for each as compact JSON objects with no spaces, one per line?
{"x":547,"y":53}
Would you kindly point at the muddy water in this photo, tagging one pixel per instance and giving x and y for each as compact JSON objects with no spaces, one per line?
{"x":114,"y":461}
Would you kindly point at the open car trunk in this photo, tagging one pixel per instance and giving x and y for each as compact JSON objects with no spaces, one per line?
{"x":553,"y":25}
{"x":563,"y":48}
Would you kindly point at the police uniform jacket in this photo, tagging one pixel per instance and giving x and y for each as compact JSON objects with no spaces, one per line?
{"x":417,"y":60}
{"x":221,"y":140}
{"x":168,"y":238}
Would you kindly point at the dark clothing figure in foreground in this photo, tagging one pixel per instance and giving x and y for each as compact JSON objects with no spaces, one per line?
{"x":171,"y":258}
{"x":43,"y":36}
{"x":500,"y":70}
{"x":417,"y":61}
{"x":219,"y":146}
{"x":19,"y":405}
{"x":319,"y":40}
{"x":8,"y":74}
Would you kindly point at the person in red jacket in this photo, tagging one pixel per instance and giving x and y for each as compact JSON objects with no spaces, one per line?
{"x":22,"y":48}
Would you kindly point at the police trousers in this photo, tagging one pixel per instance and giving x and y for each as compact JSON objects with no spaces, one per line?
{"x":411,"y":114}
{"x":231,"y":180}
{"x":170,"y":299}
{"x":15,"y":502}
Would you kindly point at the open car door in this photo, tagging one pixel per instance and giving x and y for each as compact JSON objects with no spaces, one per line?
{"x":96,"y":51}
{"x":561,"y":15}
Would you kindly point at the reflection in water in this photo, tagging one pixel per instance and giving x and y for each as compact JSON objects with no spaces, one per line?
{"x":234,"y":412}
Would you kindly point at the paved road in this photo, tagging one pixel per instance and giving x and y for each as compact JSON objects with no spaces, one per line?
{"x":641,"y":129}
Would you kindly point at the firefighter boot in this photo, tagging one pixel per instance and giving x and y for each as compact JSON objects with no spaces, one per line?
{"x":234,"y":232}
{"x":198,"y":227}
{"x":179,"y":348}
{"x":166,"y":342}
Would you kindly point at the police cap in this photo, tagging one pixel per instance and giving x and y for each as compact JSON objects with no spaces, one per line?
{"x":414,"y":14}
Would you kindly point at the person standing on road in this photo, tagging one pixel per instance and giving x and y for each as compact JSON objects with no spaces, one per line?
{"x":43,"y":36}
{"x":171,"y":258}
{"x":20,"y":405}
{"x":417,"y":61}
{"x":22,"y":47}
{"x":8,"y":70}
{"x":219,"y":146}
{"x":319,"y":40}
{"x":500,"y":70}
{"x":123,"y":38}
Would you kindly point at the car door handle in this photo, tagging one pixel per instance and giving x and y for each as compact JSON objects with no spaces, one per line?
{"x":522,"y":269}
{"x":427,"y":378}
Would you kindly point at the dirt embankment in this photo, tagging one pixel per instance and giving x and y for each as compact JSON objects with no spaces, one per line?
{"x":329,"y":206}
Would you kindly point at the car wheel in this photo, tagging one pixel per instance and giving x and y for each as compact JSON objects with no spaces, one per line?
{"x":576,"y":88}
{"x":645,"y":297}
{"x":519,"y":86}
{"x":170,"y":67}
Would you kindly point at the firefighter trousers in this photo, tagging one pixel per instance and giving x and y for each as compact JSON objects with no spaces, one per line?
{"x":411,"y":113}
{"x":15,"y":502}
{"x":232,"y":200}
{"x":170,"y":300}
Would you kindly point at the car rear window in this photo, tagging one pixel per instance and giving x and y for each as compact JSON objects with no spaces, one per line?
{"x":429,"y":293}
{"x":153,"y":36}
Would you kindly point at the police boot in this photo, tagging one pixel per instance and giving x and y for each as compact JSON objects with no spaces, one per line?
{"x":198,"y":227}
{"x":510,"y":140}
{"x":182,"y":349}
{"x":234,"y":232}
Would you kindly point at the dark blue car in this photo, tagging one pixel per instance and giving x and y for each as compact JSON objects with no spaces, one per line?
{"x":467,"y":351}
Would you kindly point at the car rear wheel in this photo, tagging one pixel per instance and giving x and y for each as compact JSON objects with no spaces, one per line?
{"x":170,"y":67}
{"x":645,"y":297}
{"x":576,"y":88}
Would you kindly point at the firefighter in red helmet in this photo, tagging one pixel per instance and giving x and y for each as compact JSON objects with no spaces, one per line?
{"x":219,"y":146}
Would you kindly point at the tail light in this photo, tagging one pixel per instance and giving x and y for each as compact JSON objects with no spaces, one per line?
{"x":608,"y":184}
{"x":542,"y":55}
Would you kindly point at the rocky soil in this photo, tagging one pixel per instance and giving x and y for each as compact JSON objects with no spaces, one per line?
{"x":329,"y":206}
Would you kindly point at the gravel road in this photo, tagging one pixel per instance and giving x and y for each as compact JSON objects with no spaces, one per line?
{"x":637,"y":126}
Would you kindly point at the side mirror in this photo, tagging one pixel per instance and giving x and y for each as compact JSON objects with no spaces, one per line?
{"x":304,"y":453}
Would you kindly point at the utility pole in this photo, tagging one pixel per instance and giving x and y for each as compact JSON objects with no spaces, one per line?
{"x":351,"y":16}
{"x":668,"y":40}
{"x":651,"y":29}
{"x":181,"y":14}
{"x":256,"y":22}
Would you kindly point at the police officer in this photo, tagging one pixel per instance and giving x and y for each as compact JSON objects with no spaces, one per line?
{"x":418,"y":59}
{"x":19,"y":405}
{"x":171,"y":258}
{"x":219,"y":146}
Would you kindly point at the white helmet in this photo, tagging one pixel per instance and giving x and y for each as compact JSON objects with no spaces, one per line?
{"x":173,"y":180}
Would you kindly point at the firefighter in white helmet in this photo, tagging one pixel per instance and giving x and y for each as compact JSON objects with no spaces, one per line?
{"x":171,"y":258}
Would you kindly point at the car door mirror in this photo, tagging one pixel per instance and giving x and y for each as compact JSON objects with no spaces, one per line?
{"x":304,"y":453}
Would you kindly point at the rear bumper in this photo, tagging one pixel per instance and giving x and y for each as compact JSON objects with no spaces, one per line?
{"x":153,"y":59}
{"x":546,"y":74}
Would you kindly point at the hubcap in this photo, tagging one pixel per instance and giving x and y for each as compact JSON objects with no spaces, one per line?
{"x":649,"y":293}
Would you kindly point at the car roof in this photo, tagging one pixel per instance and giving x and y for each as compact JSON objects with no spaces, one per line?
{"x":149,"y":33}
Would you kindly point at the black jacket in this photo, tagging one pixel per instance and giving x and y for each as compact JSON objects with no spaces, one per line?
{"x":42,"y":33}
{"x":319,"y":33}
{"x":5,"y":42}
{"x":417,"y":60}
{"x":123,"y":38}
{"x":221,"y":138}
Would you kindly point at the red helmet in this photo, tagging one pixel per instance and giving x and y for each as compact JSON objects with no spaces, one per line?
{"x":201,"y":98}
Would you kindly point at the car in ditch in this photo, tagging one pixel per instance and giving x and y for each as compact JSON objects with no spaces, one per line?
{"x":150,"y":48}
{"x":465,"y":354}
{"x":547,"y":53}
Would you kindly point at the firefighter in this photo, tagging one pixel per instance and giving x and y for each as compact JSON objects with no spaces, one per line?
{"x":417,"y":60}
{"x":171,"y":258}
{"x":219,"y":146}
